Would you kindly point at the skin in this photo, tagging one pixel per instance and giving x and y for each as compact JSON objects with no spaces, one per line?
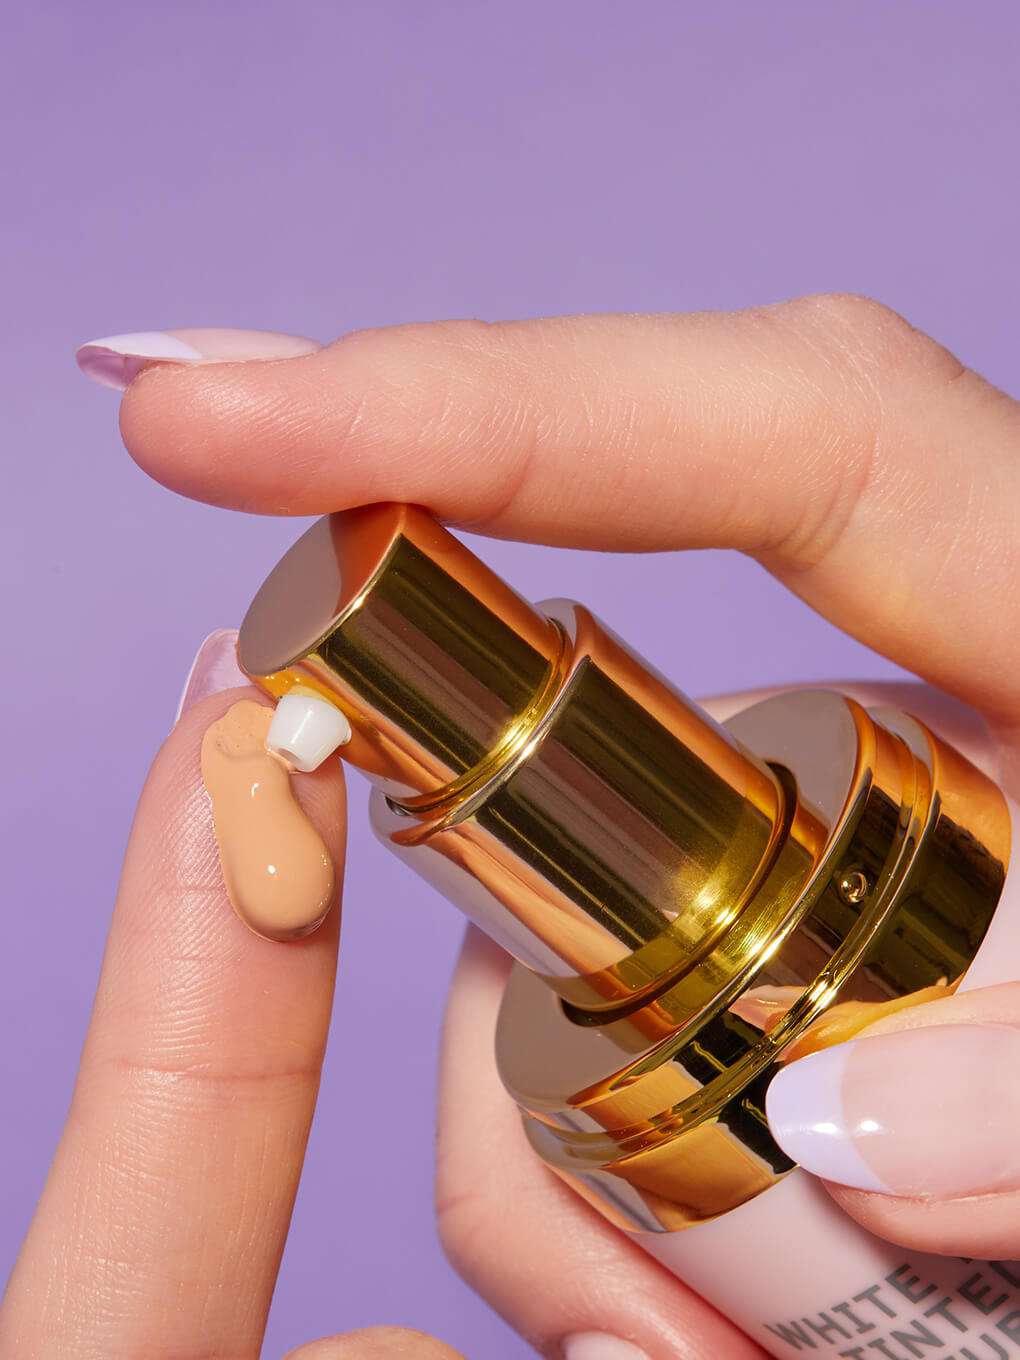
{"x":857,"y":459}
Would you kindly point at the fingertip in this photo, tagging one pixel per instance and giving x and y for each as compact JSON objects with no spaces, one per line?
{"x":225,"y":433}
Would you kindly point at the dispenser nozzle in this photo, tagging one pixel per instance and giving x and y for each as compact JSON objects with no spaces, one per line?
{"x":306,"y":730}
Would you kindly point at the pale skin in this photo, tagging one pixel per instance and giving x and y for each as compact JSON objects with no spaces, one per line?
{"x":858,"y":460}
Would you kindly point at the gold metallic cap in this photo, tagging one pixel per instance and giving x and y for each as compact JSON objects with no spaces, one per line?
{"x":431,"y":655}
{"x":574,"y":803}
{"x":658,"y":1115}
{"x":662,"y":878}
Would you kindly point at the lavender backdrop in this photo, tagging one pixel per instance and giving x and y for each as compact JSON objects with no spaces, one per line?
{"x":319,"y":166}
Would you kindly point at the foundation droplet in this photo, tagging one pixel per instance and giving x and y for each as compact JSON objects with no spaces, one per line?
{"x":276,"y":868}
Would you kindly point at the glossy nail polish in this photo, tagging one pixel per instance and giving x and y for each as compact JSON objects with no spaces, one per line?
{"x":116,"y":360}
{"x":213,"y":670}
{"x":600,"y":1346}
{"x":930,"y":1113}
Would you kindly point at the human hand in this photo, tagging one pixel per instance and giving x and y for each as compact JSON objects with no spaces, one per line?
{"x":853,"y":456}
{"x":161,"y":1226}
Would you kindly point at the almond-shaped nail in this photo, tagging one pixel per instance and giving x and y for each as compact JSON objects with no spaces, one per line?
{"x":213,"y":670}
{"x":926,"y":1113}
{"x":115,"y":360}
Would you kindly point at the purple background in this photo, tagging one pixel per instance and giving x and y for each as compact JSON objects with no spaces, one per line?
{"x":320,"y":166}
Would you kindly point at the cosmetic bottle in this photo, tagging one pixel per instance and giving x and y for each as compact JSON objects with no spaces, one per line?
{"x":652,"y":870}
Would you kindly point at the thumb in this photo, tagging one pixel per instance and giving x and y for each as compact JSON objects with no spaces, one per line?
{"x":914,"y":1123}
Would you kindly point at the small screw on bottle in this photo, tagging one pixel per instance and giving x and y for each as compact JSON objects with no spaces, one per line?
{"x":854,"y":887}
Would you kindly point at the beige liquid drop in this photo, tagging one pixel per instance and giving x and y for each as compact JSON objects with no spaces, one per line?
{"x":277,"y":871}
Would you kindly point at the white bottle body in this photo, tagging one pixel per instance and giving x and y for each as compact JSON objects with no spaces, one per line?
{"x":801,"y":1278}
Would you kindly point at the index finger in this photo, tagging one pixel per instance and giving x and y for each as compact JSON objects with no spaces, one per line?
{"x":855,"y":457}
{"x":161,"y":1226}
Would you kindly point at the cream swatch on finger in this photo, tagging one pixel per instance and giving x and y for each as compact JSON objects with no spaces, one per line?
{"x":276,"y":868}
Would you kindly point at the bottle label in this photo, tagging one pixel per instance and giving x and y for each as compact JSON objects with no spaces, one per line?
{"x":950,"y":1309}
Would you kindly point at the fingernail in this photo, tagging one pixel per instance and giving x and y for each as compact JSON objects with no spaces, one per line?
{"x":600,"y":1346}
{"x":213,"y":670}
{"x":927,"y":1113}
{"x":117,"y":359}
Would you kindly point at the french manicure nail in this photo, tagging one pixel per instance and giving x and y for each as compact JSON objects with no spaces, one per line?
{"x":926,"y":1113}
{"x":115,"y":360}
{"x":213,"y":670}
{"x":600,"y":1346}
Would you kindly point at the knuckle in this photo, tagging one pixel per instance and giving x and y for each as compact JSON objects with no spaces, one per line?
{"x":864,"y":372}
{"x":860,"y":314}
{"x":872,"y":343}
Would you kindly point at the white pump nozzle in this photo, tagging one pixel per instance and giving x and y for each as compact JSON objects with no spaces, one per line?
{"x":306,"y":729}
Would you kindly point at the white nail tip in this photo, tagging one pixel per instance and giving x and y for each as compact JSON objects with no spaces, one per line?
{"x":600,"y":1346}
{"x":804,"y":1107}
{"x":145,"y":345}
{"x":187,"y":684}
{"x":115,"y":359}
{"x":306,"y":730}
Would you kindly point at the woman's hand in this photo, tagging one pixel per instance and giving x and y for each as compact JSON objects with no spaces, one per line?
{"x":852,"y":455}
{"x":162,"y":1222}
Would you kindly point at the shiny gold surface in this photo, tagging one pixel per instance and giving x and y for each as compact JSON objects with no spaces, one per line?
{"x":627,"y":842}
{"x":573,"y":802}
{"x":656,"y":873}
{"x":432,"y":657}
{"x":658,"y":1118}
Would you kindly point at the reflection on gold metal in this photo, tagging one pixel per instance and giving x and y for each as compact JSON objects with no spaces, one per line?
{"x":657,"y":873}
{"x":896,"y":817}
{"x":764,"y":1008}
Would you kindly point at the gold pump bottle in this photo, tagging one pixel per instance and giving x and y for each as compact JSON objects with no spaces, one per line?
{"x":653,"y":871}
